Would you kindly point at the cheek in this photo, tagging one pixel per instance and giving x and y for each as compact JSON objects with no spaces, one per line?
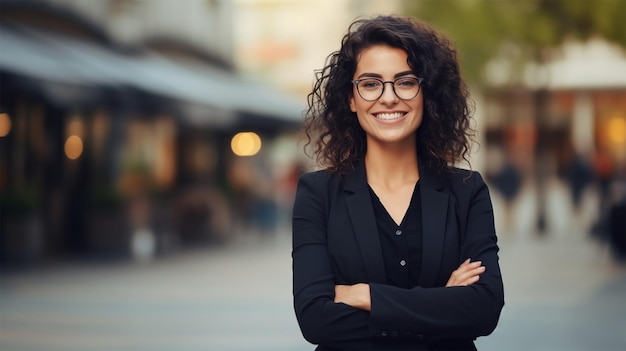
{"x":420,"y":106}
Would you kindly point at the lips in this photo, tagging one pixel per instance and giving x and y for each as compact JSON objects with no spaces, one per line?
{"x":388,"y":116}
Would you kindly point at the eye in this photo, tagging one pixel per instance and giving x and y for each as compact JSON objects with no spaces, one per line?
{"x":406,"y":82}
{"x":370,"y":84}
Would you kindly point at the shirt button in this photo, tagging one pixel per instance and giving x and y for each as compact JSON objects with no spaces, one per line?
{"x":398,"y":232}
{"x":403,"y":263}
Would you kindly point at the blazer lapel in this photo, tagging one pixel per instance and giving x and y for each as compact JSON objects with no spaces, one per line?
{"x":361,"y":213}
{"x":434,"y":216}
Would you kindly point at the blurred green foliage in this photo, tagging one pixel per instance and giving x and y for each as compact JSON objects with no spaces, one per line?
{"x":482,"y":29}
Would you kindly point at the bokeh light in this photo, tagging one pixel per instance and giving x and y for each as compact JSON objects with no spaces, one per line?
{"x":73,"y":147}
{"x":246,"y":144}
{"x":5,"y":124}
{"x":617,"y":130}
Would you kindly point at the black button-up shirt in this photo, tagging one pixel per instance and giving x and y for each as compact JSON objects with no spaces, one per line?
{"x":401,"y":244}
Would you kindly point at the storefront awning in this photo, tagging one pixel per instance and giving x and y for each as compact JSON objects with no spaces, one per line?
{"x":54,"y":58}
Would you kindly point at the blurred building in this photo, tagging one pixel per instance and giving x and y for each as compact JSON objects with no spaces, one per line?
{"x":583,"y":91}
{"x":284,"y":41}
{"x":126,"y":129}
{"x":563,"y":128}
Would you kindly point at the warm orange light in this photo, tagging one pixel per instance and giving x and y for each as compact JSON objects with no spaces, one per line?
{"x":73,"y":147}
{"x":246,"y":144}
{"x":617,"y":130}
{"x":5,"y":124}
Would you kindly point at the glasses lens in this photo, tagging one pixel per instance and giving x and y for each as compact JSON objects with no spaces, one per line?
{"x":406,"y":88}
{"x":370,"y":89}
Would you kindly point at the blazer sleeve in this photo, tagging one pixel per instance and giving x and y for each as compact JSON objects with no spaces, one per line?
{"x":439,"y":313}
{"x":321,"y":320}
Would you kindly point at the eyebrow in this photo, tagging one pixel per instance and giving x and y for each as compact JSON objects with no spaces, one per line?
{"x":376,"y":75}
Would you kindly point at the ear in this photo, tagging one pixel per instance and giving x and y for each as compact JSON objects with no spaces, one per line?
{"x":352,"y":103}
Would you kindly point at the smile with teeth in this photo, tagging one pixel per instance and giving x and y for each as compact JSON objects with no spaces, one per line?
{"x":389,"y":116}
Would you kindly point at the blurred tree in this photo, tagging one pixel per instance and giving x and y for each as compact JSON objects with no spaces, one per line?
{"x":520,"y":31}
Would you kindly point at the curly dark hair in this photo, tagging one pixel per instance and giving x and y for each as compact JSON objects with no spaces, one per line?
{"x":445,"y":134}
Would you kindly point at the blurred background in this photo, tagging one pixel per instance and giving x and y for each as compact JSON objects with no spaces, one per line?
{"x":150,"y":149}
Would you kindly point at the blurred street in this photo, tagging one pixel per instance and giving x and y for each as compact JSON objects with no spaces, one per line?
{"x":562,"y":293}
{"x":234,"y":297}
{"x":140,"y":153}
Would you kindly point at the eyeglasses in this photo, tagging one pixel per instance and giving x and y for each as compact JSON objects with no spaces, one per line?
{"x":371,"y":89}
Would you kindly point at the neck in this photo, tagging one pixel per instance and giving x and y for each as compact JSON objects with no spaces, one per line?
{"x":391,"y":166}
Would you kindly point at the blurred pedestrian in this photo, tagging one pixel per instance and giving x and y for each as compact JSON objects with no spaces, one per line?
{"x":604,"y":172}
{"x":616,"y":226}
{"x":580,"y":177}
{"x":617,"y":229}
{"x":508,"y":182}
{"x":393,"y":247}
{"x":578,"y":173}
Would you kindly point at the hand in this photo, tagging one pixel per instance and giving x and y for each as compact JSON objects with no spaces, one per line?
{"x":357,"y":295}
{"x":467,"y":274}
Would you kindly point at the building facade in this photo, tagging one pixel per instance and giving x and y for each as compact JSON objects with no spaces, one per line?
{"x":117,"y":129}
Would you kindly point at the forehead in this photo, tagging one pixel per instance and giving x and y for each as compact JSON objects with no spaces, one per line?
{"x":382,"y":59}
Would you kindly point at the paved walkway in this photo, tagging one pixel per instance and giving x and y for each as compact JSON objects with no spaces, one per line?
{"x":223,"y":298}
{"x":561,"y":294}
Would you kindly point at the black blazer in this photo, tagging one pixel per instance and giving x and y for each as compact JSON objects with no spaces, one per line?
{"x":335,"y":241}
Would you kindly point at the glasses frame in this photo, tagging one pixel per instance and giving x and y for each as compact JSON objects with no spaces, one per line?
{"x":393,"y":86}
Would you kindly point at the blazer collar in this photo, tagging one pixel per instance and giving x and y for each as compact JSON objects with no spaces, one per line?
{"x":434,"y":217}
{"x":363,"y":220}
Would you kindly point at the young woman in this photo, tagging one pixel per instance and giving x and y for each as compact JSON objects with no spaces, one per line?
{"x":393,"y":247}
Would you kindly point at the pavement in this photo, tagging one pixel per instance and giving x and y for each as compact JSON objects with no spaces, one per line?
{"x":562,"y":293}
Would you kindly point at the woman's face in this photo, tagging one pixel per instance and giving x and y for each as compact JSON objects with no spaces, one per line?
{"x":389,"y":119}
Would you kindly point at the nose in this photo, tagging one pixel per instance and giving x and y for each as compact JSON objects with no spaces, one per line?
{"x":389,"y":95}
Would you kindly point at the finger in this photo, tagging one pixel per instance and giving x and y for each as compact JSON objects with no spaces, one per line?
{"x":467,"y":263}
{"x":462,"y":275}
{"x":471,"y":280}
{"x":463,"y":269}
{"x":466,"y":273}
{"x":476,"y":264}
{"x":472,"y":272}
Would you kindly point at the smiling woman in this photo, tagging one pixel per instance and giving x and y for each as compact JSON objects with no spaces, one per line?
{"x":393,"y":247}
